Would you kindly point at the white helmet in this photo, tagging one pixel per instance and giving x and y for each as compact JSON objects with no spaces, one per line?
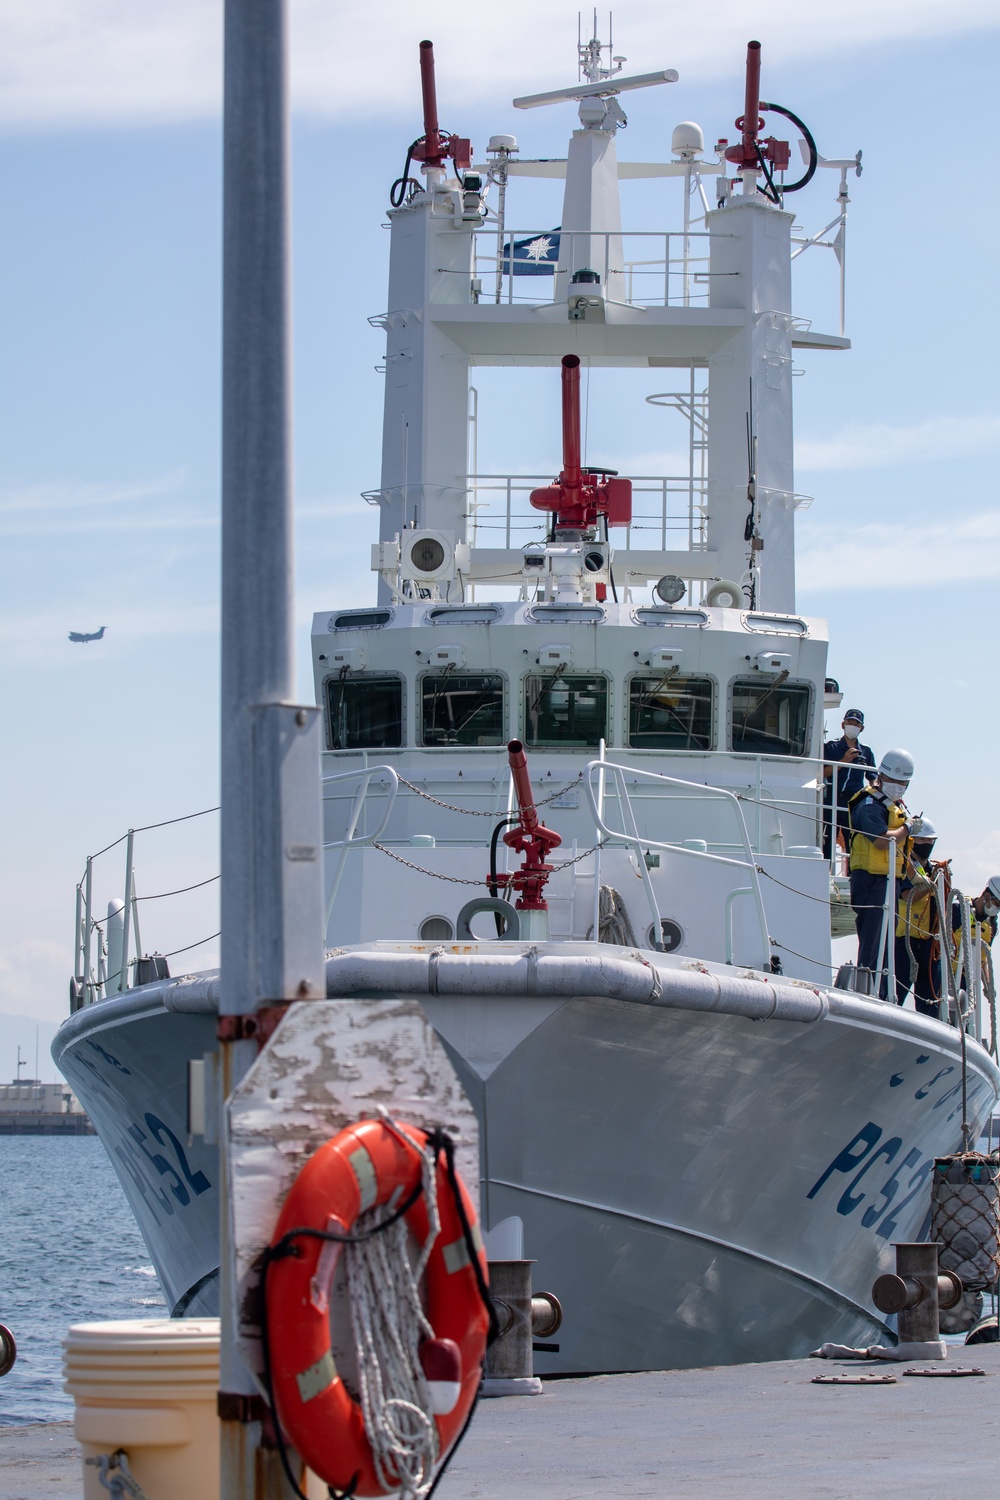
{"x":897,"y":765}
{"x":993,"y":886}
{"x":929,"y":832}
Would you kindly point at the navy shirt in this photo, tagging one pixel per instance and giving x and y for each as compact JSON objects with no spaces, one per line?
{"x":850,"y":778}
{"x":870,"y":816}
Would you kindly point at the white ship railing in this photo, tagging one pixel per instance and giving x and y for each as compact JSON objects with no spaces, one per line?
{"x":606,"y":771}
{"x":639,"y":268}
{"x":107,"y":948}
{"x":677,"y":518}
{"x":352,"y":839}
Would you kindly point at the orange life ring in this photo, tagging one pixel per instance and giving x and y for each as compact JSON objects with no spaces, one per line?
{"x":364,"y":1166}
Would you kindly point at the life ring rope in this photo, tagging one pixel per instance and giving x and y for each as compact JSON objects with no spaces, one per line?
{"x":463,"y":1251}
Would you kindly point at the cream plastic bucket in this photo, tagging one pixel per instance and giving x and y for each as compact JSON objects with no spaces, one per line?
{"x":148,"y":1386}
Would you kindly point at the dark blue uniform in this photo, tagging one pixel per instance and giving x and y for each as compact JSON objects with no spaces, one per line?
{"x":849,"y":778}
{"x":870,"y":816}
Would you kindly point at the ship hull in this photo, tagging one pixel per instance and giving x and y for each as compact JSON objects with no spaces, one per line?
{"x":695,"y":1188}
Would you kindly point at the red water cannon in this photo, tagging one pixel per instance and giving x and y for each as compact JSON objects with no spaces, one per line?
{"x":580,"y":495}
{"x":530,"y":838}
{"x":752,"y":153}
{"x":436,"y":145}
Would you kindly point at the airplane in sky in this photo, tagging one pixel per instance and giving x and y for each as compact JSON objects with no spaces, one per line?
{"x":82,"y":637}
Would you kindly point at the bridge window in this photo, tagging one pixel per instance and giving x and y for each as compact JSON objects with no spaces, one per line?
{"x":366,"y":713}
{"x":566,"y":710}
{"x":770,"y":716}
{"x":669,"y":712}
{"x":462,"y":708}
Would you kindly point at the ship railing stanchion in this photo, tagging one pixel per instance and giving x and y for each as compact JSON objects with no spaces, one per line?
{"x":78,"y":969}
{"x":944,"y":937}
{"x":122,"y":984}
{"x":890,"y":930}
{"x":601,"y":753}
{"x":350,"y":841}
{"x":88,"y":929}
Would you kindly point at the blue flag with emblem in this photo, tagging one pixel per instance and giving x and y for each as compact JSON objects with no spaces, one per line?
{"x":535,"y":256}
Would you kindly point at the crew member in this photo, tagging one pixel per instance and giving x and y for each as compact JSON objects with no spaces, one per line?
{"x":847,"y":752}
{"x":983,"y":912}
{"x":879,"y":823}
{"x":918,"y":925}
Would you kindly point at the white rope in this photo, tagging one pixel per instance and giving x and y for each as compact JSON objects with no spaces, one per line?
{"x":389,"y":1325}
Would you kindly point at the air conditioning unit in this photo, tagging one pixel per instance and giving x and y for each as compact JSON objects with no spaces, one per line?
{"x":773,"y":661}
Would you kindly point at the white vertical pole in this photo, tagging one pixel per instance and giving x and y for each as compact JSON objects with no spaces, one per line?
{"x":126,"y":914}
{"x":78,"y":969}
{"x":88,"y":892}
{"x":601,"y":751}
{"x":944,"y":955}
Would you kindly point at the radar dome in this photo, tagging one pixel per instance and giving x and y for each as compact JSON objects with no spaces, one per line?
{"x":688,"y":139}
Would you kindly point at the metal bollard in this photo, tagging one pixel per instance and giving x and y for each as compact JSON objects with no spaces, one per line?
{"x":917,"y":1293}
{"x":509,"y":1365}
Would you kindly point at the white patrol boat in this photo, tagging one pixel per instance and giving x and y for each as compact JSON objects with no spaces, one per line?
{"x":573,"y":781}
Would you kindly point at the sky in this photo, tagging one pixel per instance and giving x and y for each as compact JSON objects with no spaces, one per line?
{"x":110,"y":191}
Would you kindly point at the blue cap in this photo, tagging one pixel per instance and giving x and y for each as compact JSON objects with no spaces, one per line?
{"x":856,"y":715}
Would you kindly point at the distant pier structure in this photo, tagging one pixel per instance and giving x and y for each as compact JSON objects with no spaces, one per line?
{"x":30,"y":1107}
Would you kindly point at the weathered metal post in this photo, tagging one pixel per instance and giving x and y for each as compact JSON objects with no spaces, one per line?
{"x":271,"y":899}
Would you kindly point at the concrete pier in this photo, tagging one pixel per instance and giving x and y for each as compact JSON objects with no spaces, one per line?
{"x":740,"y":1432}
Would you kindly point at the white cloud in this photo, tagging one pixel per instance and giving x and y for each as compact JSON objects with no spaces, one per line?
{"x":77,"y":495}
{"x":876,"y":556}
{"x":117,"y":61}
{"x":877,"y":445}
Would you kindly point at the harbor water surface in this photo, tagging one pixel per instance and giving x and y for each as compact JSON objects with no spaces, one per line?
{"x":70,"y":1252}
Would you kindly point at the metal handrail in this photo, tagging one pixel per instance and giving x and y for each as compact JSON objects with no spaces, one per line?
{"x":606,"y":769}
{"x":353,"y":840}
{"x":667,"y":264}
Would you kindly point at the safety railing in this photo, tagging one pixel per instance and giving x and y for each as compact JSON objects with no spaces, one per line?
{"x":640,"y":268}
{"x":597,"y":795}
{"x":352,"y":839}
{"x":669,"y":512}
{"x":107,"y":949}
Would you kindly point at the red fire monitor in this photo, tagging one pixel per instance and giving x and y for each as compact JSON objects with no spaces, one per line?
{"x":530,"y":838}
{"x":751,"y":153}
{"x":580,"y":495}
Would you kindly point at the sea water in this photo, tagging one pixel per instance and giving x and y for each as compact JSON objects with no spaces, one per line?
{"x":70,"y":1252}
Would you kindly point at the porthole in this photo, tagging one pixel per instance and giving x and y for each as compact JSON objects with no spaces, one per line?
{"x":436,"y":930}
{"x":672,"y":935}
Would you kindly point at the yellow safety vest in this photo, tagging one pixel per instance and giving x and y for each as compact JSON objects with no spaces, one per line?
{"x":865,"y":853}
{"x":921,"y":911}
{"x":986,"y":926}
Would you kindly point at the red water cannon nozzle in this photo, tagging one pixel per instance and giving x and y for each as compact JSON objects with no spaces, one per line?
{"x":752,"y":152}
{"x":436,"y":145}
{"x":530,"y":838}
{"x":580,"y":495}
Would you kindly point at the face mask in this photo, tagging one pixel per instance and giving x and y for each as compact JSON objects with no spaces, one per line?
{"x":990,"y":908}
{"x":851,"y":731}
{"x":894,"y":790}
